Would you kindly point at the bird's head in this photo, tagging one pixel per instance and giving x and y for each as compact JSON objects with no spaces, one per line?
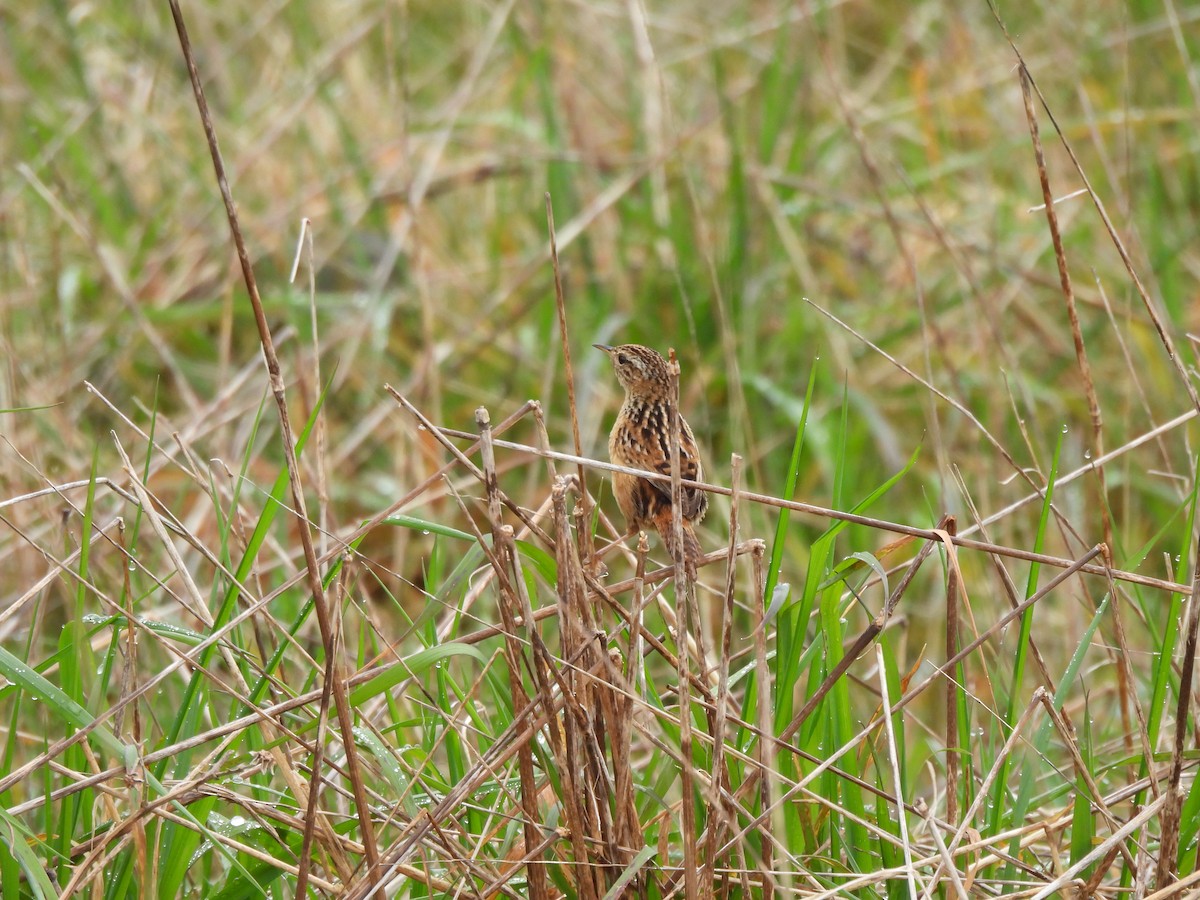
{"x":639,"y":369}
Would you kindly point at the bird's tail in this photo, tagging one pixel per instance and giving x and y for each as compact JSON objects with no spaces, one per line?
{"x":692,"y":551}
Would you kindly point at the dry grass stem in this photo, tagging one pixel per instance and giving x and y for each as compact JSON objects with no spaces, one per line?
{"x":278,"y":390}
{"x":1151,"y":307}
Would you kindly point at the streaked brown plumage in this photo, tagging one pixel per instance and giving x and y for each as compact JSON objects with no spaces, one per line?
{"x":641,"y":439}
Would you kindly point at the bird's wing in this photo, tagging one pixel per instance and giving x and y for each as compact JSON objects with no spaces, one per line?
{"x":695,"y":501}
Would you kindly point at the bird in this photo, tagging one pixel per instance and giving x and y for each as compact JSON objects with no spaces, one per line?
{"x":641,"y":439}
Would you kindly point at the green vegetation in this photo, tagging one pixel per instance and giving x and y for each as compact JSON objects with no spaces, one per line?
{"x":833,"y":212}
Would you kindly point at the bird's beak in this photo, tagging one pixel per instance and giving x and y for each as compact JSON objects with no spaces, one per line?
{"x":605,"y":347}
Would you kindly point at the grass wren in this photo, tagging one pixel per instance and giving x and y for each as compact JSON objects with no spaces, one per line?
{"x":641,"y":439}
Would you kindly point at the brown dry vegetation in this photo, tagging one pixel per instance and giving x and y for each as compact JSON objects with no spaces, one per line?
{"x":834,"y":213}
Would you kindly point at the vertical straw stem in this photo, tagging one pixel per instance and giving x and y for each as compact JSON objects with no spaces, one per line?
{"x":953,"y":750}
{"x":683,"y":583}
{"x":561,"y":306}
{"x":362,"y":802}
{"x":719,"y":777}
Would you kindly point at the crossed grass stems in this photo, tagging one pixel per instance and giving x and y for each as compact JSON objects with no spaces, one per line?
{"x":587,"y":704}
{"x":586,"y":701}
{"x":603,"y":707}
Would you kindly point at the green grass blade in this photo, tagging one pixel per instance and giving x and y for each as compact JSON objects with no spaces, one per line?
{"x":1001,"y":805}
{"x":19,"y":857}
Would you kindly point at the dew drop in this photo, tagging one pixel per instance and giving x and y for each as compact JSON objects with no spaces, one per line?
{"x":237,"y":821}
{"x":1064,"y":431}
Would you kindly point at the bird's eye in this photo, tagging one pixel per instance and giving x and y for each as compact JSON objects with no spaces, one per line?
{"x":622,"y":359}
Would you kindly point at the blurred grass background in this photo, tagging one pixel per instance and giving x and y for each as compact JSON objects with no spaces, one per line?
{"x":710,"y":165}
{"x":728,"y":187}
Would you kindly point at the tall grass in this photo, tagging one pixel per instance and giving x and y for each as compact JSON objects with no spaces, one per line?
{"x":910,"y":668}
